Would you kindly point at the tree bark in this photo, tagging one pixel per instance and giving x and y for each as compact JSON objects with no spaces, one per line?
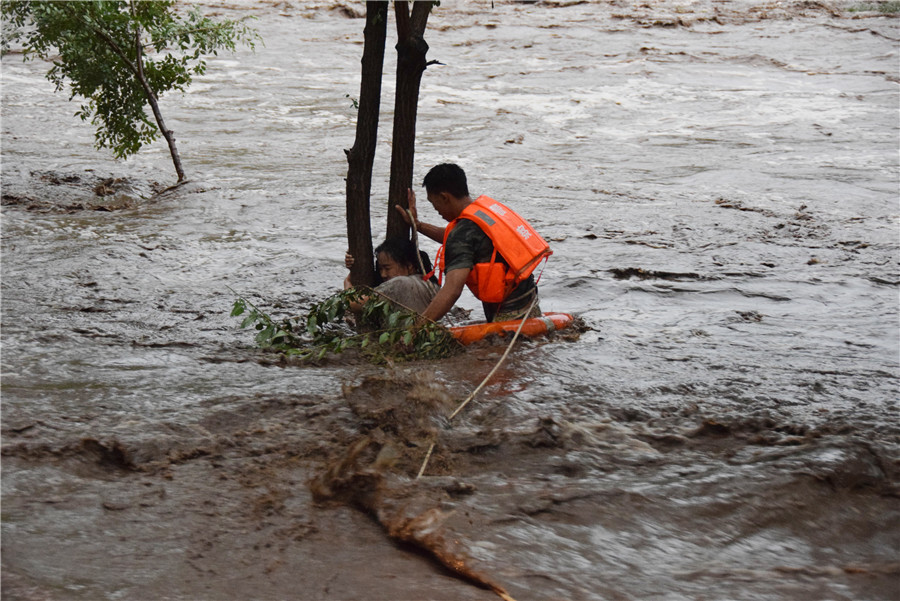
{"x":151,"y":97}
{"x":361,"y":157}
{"x":411,"y":63}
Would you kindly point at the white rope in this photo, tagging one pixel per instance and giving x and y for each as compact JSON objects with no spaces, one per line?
{"x":483,"y":382}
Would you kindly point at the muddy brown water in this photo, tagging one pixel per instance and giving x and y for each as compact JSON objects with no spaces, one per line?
{"x":720,"y":185}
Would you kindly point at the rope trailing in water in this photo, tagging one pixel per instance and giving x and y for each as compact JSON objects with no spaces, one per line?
{"x":415,"y":238}
{"x":483,"y":382}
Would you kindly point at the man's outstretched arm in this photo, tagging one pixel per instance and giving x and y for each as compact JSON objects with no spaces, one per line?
{"x":448,"y":294}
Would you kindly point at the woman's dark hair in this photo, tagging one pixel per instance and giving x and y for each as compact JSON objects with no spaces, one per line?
{"x":403,"y":251}
{"x":446,"y":177}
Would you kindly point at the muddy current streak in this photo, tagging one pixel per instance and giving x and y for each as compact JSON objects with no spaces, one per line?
{"x":719,"y":184}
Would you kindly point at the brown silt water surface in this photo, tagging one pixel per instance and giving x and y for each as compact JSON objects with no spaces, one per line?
{"x":718,"y":181}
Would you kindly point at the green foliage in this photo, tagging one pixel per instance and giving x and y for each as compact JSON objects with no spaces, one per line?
{"x":389,"y":333}
{"x":890,"y":7}
{"x":93,"y":46}
{"x":269,"y":333}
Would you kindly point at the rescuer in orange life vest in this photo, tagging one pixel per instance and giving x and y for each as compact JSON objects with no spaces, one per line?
{"x":486,"y":246}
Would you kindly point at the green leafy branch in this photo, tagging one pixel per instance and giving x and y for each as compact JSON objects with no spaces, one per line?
{"x":270,"y":334}
{"x":99,"y":48}
{"x":385,"y":331}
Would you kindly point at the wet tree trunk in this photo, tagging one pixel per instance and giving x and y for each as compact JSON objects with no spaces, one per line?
{"x":168,"y":134}
{"x":362,"y":155}
{"x":411,"y":50}
{"x":151,"y":97}
{"x":137,"y":68}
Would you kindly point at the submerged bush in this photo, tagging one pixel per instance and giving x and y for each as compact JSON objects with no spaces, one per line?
{"x":384,"y":332}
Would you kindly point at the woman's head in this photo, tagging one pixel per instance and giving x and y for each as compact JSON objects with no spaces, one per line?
{"x":397,"y":257}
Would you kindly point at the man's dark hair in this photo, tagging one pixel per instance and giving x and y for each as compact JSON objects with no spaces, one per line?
{"x":446,"y":177}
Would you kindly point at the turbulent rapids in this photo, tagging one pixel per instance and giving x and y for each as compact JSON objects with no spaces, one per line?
{"x":718,"y":182}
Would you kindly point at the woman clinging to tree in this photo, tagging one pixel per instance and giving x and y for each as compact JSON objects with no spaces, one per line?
{"x":400,"y":275}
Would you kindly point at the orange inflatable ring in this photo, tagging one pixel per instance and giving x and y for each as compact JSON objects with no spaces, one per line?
{"x":536,"y":326}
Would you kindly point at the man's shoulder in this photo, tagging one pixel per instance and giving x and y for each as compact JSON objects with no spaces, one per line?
{"x":465,"y":231}
{"x":467,"y":245}
{"x":466,"y":225}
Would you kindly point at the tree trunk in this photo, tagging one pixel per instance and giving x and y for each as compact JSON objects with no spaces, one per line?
{"x":168,"y":134}
{"x":411,"y":50}
{"x":362,"y":155}
{"x":151,"y":97}
{"x":137,"y":67}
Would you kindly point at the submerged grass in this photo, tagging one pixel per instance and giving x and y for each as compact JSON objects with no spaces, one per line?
{"x":890,"y":7}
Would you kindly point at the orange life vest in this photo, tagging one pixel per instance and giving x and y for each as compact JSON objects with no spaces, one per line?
{"x":514,"y":239}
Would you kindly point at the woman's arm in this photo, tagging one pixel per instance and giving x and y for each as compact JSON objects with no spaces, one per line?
{"x":348,"y":263}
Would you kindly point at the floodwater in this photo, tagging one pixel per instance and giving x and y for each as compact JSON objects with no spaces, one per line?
{"x":719,"y":182}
